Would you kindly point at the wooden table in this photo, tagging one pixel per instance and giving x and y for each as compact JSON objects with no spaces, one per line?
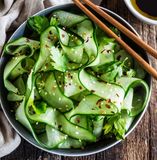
{"x":141,"y":144}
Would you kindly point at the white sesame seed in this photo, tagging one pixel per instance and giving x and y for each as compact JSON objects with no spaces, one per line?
{"x":59,"y":98}
{"x":77,"y":133}
{"x":84,"y":99}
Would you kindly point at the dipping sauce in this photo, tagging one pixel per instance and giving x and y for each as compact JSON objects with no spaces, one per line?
{"x":147,"y":8}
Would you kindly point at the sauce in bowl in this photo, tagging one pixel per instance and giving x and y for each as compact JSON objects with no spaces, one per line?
{"x":147,"y":8}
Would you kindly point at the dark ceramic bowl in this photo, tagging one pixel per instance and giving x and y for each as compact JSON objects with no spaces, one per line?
{"x":91,"y":149}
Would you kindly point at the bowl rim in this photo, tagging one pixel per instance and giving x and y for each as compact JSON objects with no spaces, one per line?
{"x":87,"y":153}
{"x":139,"y":15}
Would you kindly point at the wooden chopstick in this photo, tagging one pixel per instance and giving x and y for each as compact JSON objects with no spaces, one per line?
{"x":122,"y":28}
{"x":140,"y":60}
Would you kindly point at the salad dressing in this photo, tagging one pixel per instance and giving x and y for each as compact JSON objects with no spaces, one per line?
{"x":147,"y":8}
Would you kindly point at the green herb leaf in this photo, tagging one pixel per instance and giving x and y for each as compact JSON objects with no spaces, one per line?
{"x":38,"y":23}
{"x":116,"y":125}
{"x":53,"y":21}
{"x":40,"y":107}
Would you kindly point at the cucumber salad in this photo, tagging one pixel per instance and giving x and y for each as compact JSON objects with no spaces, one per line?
{"x":70,"y":84}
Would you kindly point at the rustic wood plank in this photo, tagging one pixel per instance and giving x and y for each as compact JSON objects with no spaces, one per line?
{"x":91,"y":157}
{"x":152,"y":40}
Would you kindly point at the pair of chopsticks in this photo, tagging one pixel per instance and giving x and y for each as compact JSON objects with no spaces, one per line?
{"x":124,"y":30}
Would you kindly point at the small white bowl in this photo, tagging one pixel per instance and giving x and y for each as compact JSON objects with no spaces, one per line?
{"x":138,"y":15}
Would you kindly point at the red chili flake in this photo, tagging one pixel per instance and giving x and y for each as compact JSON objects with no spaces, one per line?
{"x":80,"y":87}
{"x":69,"y":84}
{"x":87,"y":40}
{"x":46,"y":46}
{"x":78,"y":120}
{"x":117,"y":94}
{"x":92,"y":91}
{"x":71,"y":77}
{"x":103,"y":50}
{"x":99,"y":101}
{"x":49,"y":37}
{"x":63,"y":35}
{"x":100,"y":107}
{"x":108,"y":51}
{"x":108,"y":106}
{"x":108,"y":100}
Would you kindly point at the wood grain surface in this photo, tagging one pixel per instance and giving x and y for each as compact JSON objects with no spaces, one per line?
{"x":141,"y":144}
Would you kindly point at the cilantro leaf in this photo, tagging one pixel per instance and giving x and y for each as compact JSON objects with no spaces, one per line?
{"x":38,"y":23}
{"x":117,"y":125}
{"x":53,"y":21}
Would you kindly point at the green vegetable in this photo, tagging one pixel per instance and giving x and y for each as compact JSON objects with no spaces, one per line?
{"x":74,"y":84}
{"x":38,"y":23}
